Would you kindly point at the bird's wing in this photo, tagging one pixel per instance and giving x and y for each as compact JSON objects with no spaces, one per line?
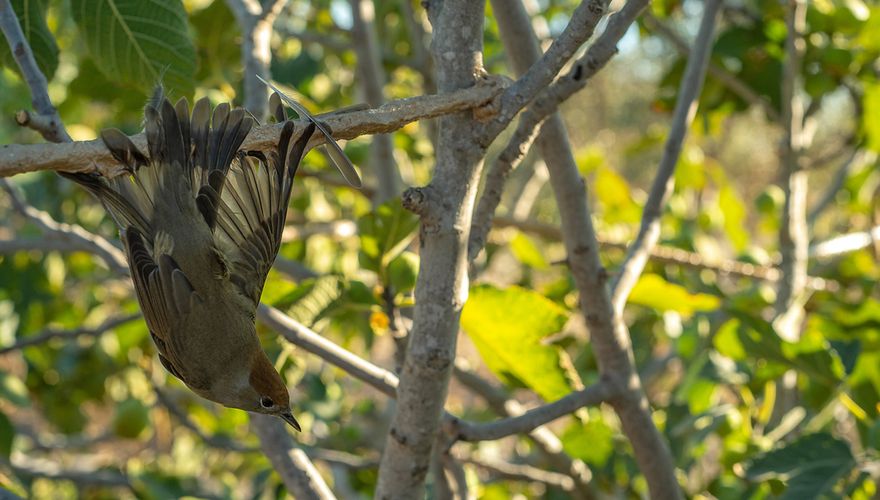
{"x":166,"y":297}
{"x":253,"y":207}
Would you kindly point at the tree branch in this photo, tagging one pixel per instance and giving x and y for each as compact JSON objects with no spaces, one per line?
{"x":381,"y":379}
{"x":546,"y":103}
{"x":296,"y":470}
{"x":520,"y":472}
{"x":74,"y":236}
{"x":442,"y":284}
{"x":726,"y":78}
{"x":664,"y":182}
{"x":609,"y":336}
{"x":372,"y":79}
{"x":50,"y":333}
{"x":547,"y":442}
{"x":591,"y":396}
{"x":794,"y":236}
{"x":544,"y":69}
{"x":255,"y":20}
{"x":47,"y":122}
{"x":92,"y":155}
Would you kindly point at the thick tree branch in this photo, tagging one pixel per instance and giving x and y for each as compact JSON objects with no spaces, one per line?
{"x":92,"y":155}
{"x":300,"y":476}
{"x":664,"y":182}
{"x":47,"y":121}
{"x":609,"y":336}
{"x":441,"y":289}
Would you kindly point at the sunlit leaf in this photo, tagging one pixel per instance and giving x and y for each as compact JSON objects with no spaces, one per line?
{"x":507,"y":326}
{"x":525,"y":251}
{"x":592,"y":442}
{"x":139,"y":43}
{"x":655,"y":292}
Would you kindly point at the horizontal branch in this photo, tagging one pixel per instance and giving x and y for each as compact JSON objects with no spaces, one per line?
{"x":520,"y":472}
{"x":672,"y":255}
{"x":90,"y":155}
{"x":591,"y":396}
{"x":50,"y":333}
{"x":77,"y":237}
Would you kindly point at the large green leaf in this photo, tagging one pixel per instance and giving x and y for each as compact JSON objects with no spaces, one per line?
{"x":591,"y":441}
{"x":32,"y":18}
{"x":507,"y":326}
{"x":658,"y":294}
{"x":139,"y":42}
{"x":811,"y":466}
{"x":871,"y":116}
{"x":384,"y":233}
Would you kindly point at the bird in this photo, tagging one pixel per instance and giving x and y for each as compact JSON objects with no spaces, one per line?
{"x":200,"y":220}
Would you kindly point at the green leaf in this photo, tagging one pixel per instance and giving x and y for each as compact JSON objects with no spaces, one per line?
{"x":507,"y":326}
{"x":871,"y":116}
{"x":734,"y":211}
{"x":811,"y":466}
{"x":32,"y":18}
{"x":384,"y":234}
{"x":131,"y":418}
{"x":403,"y":272}
{"x":592,"y":442}
{"x":12,"y":389}
{"x":614,"y":195}
{"x":658,"y":294}
{"x":525,"y":251}
{"x":7,"y":433}
{"x":139,"y":43}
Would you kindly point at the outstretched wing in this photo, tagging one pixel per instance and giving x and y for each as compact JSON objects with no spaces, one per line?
{"x":253,"y":207}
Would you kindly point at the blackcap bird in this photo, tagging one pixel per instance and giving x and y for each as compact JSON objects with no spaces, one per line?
{"x":201,"y":224}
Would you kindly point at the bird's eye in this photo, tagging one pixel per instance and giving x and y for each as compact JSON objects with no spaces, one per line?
{"x":266,"y":402}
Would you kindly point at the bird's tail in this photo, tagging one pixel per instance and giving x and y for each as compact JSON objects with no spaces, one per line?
{"x":187,"y":161}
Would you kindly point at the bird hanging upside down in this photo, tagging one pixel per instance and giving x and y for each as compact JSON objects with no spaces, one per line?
{"x":201,"y":224}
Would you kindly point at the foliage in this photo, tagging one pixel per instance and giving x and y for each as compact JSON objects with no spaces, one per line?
{"x":746,"y":413}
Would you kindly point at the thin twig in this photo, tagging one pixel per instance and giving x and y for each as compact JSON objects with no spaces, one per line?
{"x":535,"y":417}
{"x":381,"y":379}
{"x":664,"y":181}
{"x":519,"y":472}
{"x":50,"y":334}
{"x":545,"y":440}
{"x":75,"y":235}
{"x":543,"y":71}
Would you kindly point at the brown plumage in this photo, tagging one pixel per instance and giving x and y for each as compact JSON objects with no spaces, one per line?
{"x":201,"y":223}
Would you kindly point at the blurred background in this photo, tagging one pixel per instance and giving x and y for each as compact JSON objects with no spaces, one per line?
{"x":86,"y":410}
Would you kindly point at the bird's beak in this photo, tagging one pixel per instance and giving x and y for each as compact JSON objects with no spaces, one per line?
{"x":288,"y":417}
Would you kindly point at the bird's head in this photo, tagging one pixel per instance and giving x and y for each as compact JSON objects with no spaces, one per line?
{"x":265,"y":392}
